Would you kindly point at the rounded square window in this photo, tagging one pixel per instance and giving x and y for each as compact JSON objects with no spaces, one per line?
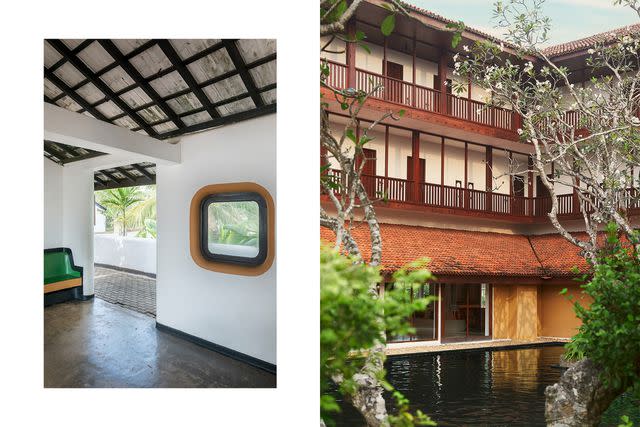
{"x":234,"y":228}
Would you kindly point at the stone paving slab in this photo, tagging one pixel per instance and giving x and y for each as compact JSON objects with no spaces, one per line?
{"x":132,"y":291}
{"x":394,"y":349}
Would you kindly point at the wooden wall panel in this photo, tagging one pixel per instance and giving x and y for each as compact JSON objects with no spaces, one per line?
{"x":527,"y":312}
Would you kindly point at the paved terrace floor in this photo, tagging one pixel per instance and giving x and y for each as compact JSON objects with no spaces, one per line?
{"x":133,"y":291}
{"x":97,"y":344}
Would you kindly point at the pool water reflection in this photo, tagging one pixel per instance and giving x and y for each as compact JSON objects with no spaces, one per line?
{"x":481,"y":387}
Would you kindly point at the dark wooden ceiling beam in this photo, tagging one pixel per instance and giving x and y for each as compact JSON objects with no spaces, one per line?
{"x":86,"y":71}
{"x":49,"y":147}
{"x":239,"y":64}
{"x":216,"y":104}
{"x":170,"y":52}
{"x":143,"y":171}
{"x":135,"y":52}
{"x":112,"y":177}
{"x":76,"y":50}
{"x":112,"y":50}
{"x":129,"y":176}
{"x":189,"y":60}
{"x":86,"y":156}
{"x":233,"y":118}
{"x":73,"y":95}
{"x":174,"y":95}
{"x":130,"y":181}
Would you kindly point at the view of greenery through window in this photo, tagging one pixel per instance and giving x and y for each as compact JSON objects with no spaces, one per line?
{"x":129,"y":211}
{"x":233,"y":228}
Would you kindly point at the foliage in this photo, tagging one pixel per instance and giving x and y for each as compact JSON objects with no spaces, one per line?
{"x":352,"y":319}
{"x":129,"y":208}
{"x":610,"y":331}
{"x":234,"y":223}
{"x":118,"y":202}
{"x":590,"y":133}
{"x":359,"y":329}
{"x":150,"y":229}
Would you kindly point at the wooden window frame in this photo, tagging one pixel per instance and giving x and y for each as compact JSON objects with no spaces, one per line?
{"x":211,"y":192}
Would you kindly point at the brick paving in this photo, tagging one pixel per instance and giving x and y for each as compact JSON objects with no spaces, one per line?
{"x":132,"y":291}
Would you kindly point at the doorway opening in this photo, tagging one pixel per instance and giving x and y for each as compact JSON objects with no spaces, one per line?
{"x":125,"y":231}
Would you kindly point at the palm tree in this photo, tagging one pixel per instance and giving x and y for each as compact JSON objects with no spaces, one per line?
{"x":119,"y":201}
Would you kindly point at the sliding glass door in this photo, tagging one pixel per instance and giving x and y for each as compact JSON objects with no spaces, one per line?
{"x":465,"y":311}
{"x":424,"y":322}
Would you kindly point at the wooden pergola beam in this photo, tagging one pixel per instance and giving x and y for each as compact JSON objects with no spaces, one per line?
{"x":73,"y":95}
{"x":232,"y":118}
{"x":239,"y":64}
{"x":143,"y":171}
{"x":102,"y":86}
{"x":186,"y":75}
{"x":216,"y":104}
{"x":115,"y":53}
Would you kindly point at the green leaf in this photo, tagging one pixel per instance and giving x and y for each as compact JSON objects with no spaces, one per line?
{"x":388,"y":24}
{"x":455,"y":40}
{"x":563,"y":291}
{"x":365,"y":48}
{"x":401,"y":113}
{"x":364,"y":139}
{"x":344,"y":105}
{"x":349,"y":134}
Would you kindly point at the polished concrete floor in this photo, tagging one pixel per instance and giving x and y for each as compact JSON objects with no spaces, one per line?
{"x":98,"y":344}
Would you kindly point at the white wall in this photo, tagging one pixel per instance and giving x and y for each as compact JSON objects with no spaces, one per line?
{"x":77,"y":222}
{"x":238,"y":312}
{"x":53,"y":212}
{"x":99,"y":221}
{"x":134,"y":253}
{"x":68,"y":215}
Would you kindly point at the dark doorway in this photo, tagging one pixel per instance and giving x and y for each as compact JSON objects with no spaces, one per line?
{"x":436,"y":86}
{"x":543,"y":198}
{"x":368,"y":170}
{"x":422,"y":173}
{"x":394,"y":84}
{"x":518,"y":201}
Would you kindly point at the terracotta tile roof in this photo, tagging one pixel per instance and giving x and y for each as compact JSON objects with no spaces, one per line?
{"x":589,"y":42}
{"x":445,"y":20}
{"x":467,"y":253}
{"x":551,"y":51}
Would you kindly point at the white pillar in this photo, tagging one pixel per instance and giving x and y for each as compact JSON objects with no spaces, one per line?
{"x":77,"y":208}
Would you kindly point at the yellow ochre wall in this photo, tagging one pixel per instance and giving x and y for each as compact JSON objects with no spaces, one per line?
{"x":526,"y":312}
{"x":557,"y":316}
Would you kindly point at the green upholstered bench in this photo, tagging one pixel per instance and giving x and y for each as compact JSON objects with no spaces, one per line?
{"x":62,"y":279}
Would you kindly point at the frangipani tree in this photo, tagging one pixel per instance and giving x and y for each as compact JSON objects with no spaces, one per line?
{"x":352,"y":205}
{"x":591,"y":135}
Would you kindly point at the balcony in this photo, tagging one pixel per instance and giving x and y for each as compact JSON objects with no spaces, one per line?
{"x":474,"y":202}
{"x":423,"y":98}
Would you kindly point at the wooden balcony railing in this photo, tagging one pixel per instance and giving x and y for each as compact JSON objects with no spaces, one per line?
{"x":421,"y":97}
{"x":444,"y":196}
{"x":428,"y":99}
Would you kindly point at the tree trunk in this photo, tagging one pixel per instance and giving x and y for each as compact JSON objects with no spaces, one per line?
{"x":579,"y":398}
{"x":368,"y":399}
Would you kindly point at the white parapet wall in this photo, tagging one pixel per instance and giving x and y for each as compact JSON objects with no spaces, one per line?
{"x":134,"y":253}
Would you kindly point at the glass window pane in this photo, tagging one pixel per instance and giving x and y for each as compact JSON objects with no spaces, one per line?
{"x":233,"y":228}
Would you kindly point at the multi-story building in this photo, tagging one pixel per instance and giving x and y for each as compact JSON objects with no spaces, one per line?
{"x":444,"y":168}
